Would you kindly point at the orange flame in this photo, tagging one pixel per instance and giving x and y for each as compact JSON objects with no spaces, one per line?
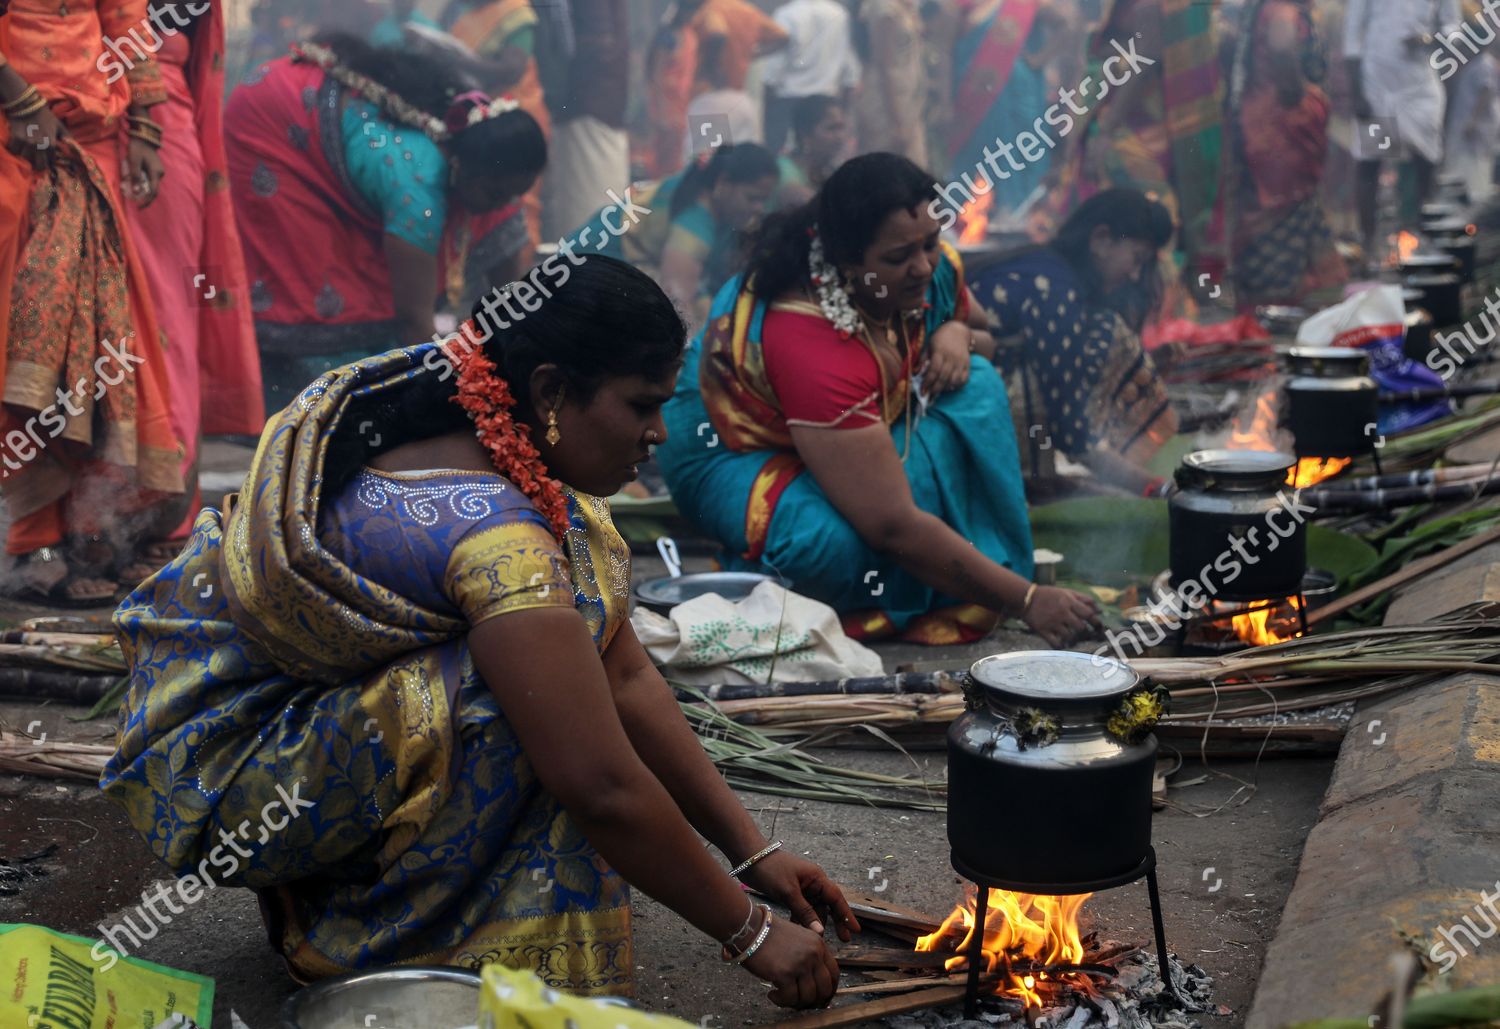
{"x":975,"y":216}
{"x":1019,"y":928}
{"x":1406,"y":245}
{"x":1313,"y":470}
{"x":1258,"y":432}
{"x":1259,"y":627}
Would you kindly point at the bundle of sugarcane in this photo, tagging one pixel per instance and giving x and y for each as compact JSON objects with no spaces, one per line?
{"x":1345,"y":497}
{"x":1302,"y":674}
{"x":72,"y":660}
{"x":28,"y":755}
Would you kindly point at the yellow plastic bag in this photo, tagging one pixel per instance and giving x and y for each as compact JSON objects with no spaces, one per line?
{"x":514,"y":999}
{"x":50,"y":980}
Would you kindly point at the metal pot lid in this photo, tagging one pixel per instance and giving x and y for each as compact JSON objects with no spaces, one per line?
{"x":1053,"y":675}
{"x":1428,"y":262}
{"x":1339,"y":360}
{"x":669,"y":592}
{"x":1210,"y":467}
{"x":1425,"y":280}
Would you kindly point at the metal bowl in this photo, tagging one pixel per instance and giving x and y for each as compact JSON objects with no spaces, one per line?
{"x":661,"y":595}
{"x":431,"y":997}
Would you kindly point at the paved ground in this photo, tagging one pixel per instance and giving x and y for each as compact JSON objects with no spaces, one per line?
{"x":101,"y":867}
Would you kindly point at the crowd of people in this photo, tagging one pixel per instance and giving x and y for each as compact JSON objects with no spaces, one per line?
{"x":841,"y":271}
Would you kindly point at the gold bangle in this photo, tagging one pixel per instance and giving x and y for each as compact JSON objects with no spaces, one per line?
{"x":1026,"y":603}
{"x":28,"y":96}
{"x":29,"y":112}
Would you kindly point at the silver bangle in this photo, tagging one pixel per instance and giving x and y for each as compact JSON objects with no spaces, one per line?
{"x":767,"y":851}
{"x":760,"y":937}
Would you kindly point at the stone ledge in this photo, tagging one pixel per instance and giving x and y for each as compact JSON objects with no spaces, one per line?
{"x":1408,"y":837}
{"x":1472,"y":579}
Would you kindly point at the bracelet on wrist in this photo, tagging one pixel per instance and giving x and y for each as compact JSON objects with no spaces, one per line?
{"x":1026,"y":602}
{"x":27,"y":98}
{"x":750,"y":861}
{"x":755,"y":945}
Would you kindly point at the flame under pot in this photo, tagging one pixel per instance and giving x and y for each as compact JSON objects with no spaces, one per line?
{"x":1332,"y":403}
{"x":1041,"y":796}
{"x":1225,"y":534}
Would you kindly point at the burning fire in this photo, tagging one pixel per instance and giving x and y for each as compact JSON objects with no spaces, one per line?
{"x":1406,"y":245}
{"x":1260,"y":434}
{"x":1256,"y":627}
{"x":975,"y":216}
{"x":1024,"y":935}
{"x":1313,"y":470}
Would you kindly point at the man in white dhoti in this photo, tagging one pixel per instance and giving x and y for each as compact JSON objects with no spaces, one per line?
{"x":1398,"y":95}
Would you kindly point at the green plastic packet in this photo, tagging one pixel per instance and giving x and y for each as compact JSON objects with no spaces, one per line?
{"x":52,"y":980}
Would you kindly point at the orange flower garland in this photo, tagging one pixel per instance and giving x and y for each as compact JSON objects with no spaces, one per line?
{"x":488,"y":400}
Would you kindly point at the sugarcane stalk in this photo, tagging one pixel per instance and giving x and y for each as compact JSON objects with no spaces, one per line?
{"x":44,"y":684}
{"x":879,"y":685}
{"x":1340,"y":500}
{"x":1477,"y":388}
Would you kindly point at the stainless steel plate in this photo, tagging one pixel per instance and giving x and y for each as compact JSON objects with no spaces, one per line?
{"x":661,"y":595}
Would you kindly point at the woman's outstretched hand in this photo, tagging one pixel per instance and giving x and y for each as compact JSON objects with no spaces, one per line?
{"x":1061,"y":616}
{"x":797,"y":964}
{"x":806,"y":891}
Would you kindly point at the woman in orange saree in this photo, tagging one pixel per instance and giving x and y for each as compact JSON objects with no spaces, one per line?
{"x":86,"y":428}
{"x":191,"y":252}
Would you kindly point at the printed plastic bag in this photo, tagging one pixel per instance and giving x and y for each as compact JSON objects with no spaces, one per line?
{"x":1375,"y":321}
{"x":513,"y":999}
{"x":54,"y":981}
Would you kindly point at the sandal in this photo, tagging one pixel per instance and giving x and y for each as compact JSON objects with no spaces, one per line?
{"x":149,"y":559}
{"x":46,"y":578}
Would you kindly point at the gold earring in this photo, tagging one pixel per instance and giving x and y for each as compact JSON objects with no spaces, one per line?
{"x":553,"y":435}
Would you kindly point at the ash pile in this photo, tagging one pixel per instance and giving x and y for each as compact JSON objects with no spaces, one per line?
{"x":1118,"y":988}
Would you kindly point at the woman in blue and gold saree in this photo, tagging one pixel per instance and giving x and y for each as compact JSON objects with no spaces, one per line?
{"x":415,"y":639}
{"x":836,"y":426}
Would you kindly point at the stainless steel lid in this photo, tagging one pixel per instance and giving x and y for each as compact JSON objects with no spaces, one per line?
{"x":1064,"y":675}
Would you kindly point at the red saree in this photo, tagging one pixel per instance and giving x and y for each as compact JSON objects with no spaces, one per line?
{"x":314,"y":249}
{"x":81,"y":325}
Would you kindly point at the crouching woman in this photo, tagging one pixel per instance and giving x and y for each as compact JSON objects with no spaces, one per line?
{"x":416,"y":613}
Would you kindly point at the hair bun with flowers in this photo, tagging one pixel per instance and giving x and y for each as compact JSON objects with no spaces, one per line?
{"x":486,"y":396}
{"x":471,"y":108}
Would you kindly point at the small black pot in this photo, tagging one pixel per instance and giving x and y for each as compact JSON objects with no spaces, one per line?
{"x":1229,"y":495}
{"x":1441,"y":295}
{"x":1331,"y":401}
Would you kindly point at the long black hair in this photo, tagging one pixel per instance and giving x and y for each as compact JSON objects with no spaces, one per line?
{"x":513,"y":143}
{"x":1128,"y":214}
{"x":607,"y":320}
{"x":847,"y":211}
{"x":737,"y":163}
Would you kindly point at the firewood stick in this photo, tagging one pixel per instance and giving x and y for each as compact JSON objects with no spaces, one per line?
{"x":854,"y":1014}
{"x":891,"y":957}
{"x":906,"y":985}
{"x":1403,"y":575}
{"x":874,"y":909}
